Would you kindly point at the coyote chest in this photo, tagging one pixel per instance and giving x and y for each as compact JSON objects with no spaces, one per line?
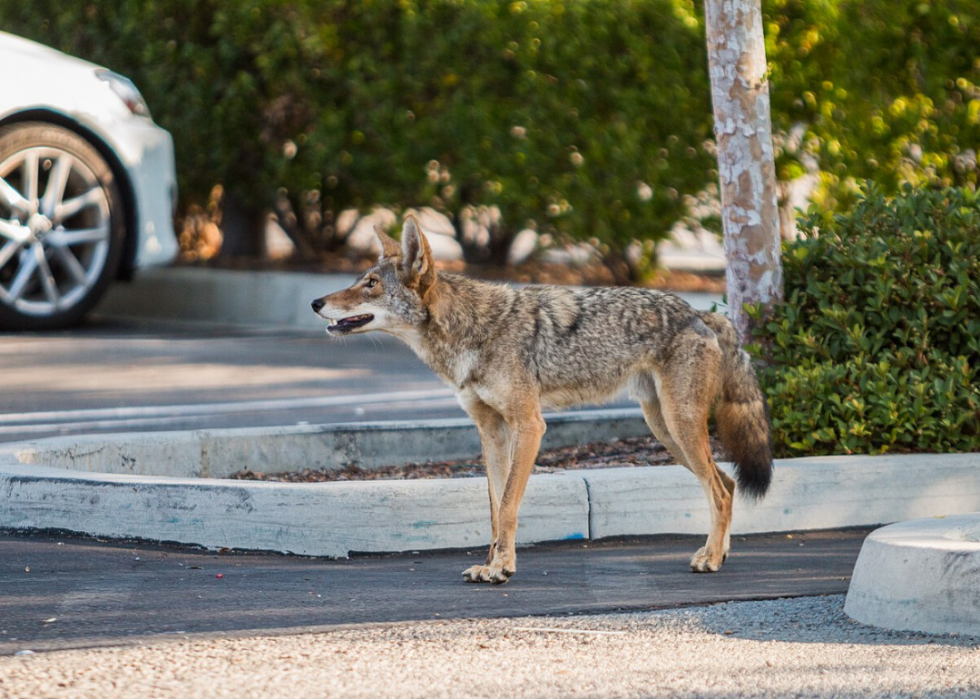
{"x":457,"y":369}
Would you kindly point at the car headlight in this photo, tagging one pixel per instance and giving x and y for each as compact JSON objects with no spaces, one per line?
{"x":126,"y":91}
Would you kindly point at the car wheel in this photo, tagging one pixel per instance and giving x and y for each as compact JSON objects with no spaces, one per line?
{"x":62,"y":226}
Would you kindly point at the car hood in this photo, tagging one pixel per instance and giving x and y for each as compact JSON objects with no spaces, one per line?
{"x":23,"y":50}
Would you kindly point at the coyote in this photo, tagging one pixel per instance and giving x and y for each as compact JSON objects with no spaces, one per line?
{"x":509,"y":352}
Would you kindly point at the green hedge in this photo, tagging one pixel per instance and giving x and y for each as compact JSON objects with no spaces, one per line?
{"x":563,"y":114}
{"x":877,"y":348}
{"x":888,"y":90}
{"x":588,"y":118}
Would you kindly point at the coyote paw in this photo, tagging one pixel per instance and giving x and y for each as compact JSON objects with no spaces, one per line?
{"x":703,"y":563}
{"x":490,"y":573}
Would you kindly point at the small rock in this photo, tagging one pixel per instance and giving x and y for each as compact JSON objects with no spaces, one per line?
{"x":444,"y":248}
{"x":278,"y":245}
{"x":362,"y":238}
{"x":522,"y":247}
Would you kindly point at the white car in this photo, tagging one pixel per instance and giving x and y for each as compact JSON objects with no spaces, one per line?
{"x":87,"y":185}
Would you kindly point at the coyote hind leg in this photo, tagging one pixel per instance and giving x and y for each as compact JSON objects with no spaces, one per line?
{"x":655,"y":421}
{"x":686,"y":389}
{"x":653,"y":414}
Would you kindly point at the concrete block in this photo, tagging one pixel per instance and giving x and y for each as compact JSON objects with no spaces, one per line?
{"x":922,"y":575}
{"x":852,"y":491}
{"x":175,"y":454}
{"x":332,"y":519}
{"x":645,"y":500}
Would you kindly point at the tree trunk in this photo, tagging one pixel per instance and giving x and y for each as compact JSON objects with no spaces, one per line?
{"x":243,"y":227}
{"x":746,"y":171}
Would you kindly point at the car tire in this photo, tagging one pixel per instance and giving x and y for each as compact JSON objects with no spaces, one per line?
{"x":62,"y":226}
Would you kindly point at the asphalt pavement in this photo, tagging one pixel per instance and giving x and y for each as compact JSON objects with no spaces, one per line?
{"x":113,"y":375}
{"x":62,"y":593}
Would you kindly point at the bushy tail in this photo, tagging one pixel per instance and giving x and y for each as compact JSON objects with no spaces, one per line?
{"x":742,"y":414}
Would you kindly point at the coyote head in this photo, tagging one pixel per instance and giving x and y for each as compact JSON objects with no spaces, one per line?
{"x":391,"y":296}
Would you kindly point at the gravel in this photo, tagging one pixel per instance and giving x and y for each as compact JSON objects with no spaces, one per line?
{"x":802,"y":647}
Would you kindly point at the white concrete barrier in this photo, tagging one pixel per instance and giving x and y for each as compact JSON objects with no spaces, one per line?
{"x":922,"y":575}
{"x":810,"y":493}
{"x":333,"y":519}
{"x":315,"y":519}
{"x":368,"y":445}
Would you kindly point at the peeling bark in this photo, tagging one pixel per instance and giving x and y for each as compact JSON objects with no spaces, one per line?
{"x":746,"y":171}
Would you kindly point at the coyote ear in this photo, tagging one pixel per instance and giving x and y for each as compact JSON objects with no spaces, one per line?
{"x":389,"y":246}
{"x":416,"y":254}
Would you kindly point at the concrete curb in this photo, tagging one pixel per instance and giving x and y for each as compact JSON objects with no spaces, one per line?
{"x":220,"y":453}
{"x":820,"y":492}
{"x":922,"y":575}
{"x":321,"y":519}
{"x":334,"y":519}
{"x":273,"y":299}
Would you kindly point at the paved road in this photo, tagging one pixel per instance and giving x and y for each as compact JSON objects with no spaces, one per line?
{"x":63,"y":593}
{"x":118,"y":376}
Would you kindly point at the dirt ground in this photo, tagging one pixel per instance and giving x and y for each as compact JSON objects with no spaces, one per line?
{"x":633,"y":451}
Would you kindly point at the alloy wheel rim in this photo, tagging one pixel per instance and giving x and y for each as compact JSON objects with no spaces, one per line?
{"x":55,"y":230}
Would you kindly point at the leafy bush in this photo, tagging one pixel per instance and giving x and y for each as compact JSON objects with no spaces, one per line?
{"x":590,"y":119}
{"x":585,"y":118}
{"x":877,"y":347}
{"x":887,"y":90}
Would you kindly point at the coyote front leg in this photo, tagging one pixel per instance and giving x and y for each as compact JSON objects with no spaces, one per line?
{"x":527,"y":427}
{"x":524,"y":427}
{"x":495,"y":438}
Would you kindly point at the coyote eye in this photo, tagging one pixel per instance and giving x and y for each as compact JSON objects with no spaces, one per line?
{"x":371,"y":283}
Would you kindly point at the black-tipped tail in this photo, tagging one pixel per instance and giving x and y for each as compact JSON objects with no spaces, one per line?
{"x":742,"y":414}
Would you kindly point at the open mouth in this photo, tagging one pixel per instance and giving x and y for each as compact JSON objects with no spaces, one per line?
{"x":345,"y":325}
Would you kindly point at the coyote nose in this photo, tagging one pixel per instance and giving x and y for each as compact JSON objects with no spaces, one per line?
{"x":317,"y":305}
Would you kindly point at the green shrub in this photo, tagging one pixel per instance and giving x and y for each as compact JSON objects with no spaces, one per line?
{"x":587,"y":118}
{"x":877,"y":347}
{"x":887,"y":90}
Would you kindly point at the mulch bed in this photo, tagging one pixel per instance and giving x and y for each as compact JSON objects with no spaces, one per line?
{"x":633,"y":451}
